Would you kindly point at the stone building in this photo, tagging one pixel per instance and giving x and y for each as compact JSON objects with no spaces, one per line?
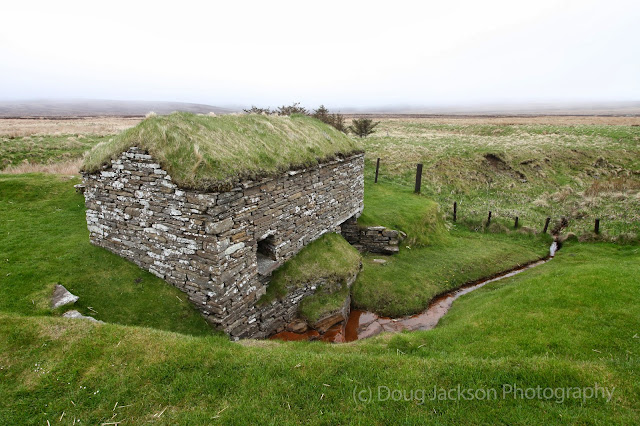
{"x":168,"y":196}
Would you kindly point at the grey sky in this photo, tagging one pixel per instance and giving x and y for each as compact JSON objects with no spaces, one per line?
{"x":339,"y":53}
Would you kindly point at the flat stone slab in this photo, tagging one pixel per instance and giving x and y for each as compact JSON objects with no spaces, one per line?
{"x":379,"y":261}
{"x":266,"y":265}
{"x":77,"y":315}
{"x":297,"y":326}
{"x":62,"y":297}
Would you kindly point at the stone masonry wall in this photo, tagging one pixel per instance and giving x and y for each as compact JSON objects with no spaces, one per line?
{"x":206,"y":243}
{"x":279,"y":313}
{"x":374,"y":239}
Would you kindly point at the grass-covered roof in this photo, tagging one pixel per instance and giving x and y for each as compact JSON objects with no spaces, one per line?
{"x":215,"y":152}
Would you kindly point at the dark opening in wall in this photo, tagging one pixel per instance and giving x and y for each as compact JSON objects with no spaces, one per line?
{"x":266,"y":255}
{"x":267,"y":247}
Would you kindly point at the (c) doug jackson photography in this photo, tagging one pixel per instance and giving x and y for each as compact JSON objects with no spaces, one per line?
{"x":344,"y":212}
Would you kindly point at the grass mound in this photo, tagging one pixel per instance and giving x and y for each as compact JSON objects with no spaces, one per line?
{"x":330,"y":258}
{"x":397,"y":207}
{"x":207,"y":153}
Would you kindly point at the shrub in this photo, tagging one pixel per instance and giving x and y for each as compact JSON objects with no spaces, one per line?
{"x":363,"y":127}
{"x":294,"y":108}
{"x":335,"y":120}
{"x":255,"y":110}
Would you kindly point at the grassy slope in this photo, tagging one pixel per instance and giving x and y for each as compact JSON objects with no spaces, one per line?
{"x":409,"y":280}
{"x":206,"y":152}
{"x":564,"y":175}
{"x":570,"y":323}
{"x":329,"y":258}
{"x":44,"y":240}
{"x":396,"y":207}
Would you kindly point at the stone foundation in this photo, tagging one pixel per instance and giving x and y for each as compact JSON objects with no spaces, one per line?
{"x":373,"y":239}
{"x":220,"y":248}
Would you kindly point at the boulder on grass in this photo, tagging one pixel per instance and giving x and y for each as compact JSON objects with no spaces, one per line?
{"x":61,"y":297}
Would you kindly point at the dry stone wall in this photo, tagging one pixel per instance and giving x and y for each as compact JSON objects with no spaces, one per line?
{"x":207,"y":244}
{"x":374,"y":239}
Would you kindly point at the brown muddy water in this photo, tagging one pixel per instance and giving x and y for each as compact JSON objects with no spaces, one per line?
{"x":363,"y":324}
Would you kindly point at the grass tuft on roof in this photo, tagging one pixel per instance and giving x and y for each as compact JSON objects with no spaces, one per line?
{"x":216,"y":152}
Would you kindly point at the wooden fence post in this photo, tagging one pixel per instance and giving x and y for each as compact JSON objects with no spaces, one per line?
{"x":515,"y":225}
{"x":546,"y":225}
{"x":455,"y":211}
{"x":377,"y":168}
{"x":489,"y":218}
{"x":596,"y":228}
{"x":418,"y":178}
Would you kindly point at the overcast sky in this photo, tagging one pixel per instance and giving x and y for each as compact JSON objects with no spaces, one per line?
{"x":340,"y":53}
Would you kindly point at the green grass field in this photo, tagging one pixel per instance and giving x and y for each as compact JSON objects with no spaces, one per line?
{"x":53,"y":247}
{"x":573,"y":322}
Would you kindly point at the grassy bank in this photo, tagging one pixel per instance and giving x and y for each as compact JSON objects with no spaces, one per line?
{"x":531,"y":171}
{"x":330,"y":259}
{"x":433,"y":259}
{"x":44,"y":240}
{"x":571,"y":323}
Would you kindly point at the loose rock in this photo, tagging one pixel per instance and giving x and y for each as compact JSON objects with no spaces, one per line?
{"x":62,"y":297}
{"x":77,"y":315}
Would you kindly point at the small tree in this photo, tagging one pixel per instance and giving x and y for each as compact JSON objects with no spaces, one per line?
{"x":363,"y":127}
{"x":322,"y":114}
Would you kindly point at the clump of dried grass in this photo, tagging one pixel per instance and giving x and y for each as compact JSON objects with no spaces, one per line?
{"x":562,"y":194}
{"x":541,"y":201}
{"x":612,"y":186}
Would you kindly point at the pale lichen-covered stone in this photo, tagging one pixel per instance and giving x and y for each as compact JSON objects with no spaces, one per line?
{"x":219,"y":227}
{"x":77,"y":315}
{"x":62,"y":297}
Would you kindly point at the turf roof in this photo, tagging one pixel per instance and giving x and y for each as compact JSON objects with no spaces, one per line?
{"x":216,"y":152}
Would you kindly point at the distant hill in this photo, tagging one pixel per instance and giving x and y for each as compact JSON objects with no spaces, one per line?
{"x":88,"y":108}
{"x":515,"y":109}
